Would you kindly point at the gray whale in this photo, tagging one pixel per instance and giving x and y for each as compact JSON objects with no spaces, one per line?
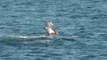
{"x":50,"y":28}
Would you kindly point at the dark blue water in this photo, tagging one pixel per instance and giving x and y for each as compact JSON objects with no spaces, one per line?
{"x":82,"y":27}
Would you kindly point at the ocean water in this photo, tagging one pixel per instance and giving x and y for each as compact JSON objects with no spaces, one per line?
{"x":82,"y":27}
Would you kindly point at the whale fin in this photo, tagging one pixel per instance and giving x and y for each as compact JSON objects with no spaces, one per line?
{"x":50,"y":28}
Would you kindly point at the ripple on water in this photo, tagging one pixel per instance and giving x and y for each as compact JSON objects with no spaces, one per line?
{"x":82,"y":26}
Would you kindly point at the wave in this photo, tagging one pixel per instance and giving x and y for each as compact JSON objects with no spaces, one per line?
{"x":37,"y":37}
{"x":26,"y":37}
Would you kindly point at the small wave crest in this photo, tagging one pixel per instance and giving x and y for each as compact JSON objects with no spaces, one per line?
{"x":25,"y":37}
{"x":36,"y":37}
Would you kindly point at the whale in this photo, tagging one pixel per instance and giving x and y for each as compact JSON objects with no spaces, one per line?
{"x":51,"y":28}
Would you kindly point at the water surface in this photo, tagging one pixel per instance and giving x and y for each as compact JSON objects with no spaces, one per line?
{"x":82,"y":27}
